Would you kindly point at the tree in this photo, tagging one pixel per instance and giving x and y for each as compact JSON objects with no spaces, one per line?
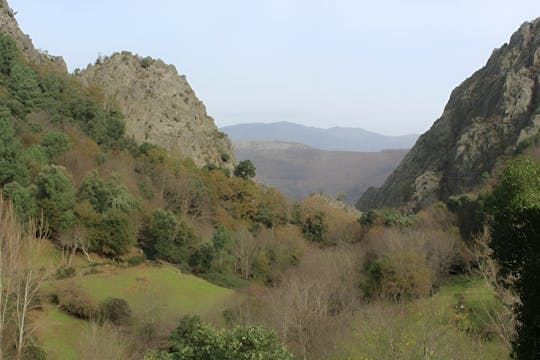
{"x":12,"y":168}
{"x":55,"y":143}
{"x":9,"y":54}
{"x":515,"y":209}
{"x":245,"y":252}
{"x":201,"y":259}
{"x":56,"y":197}
{"x":24,"y":199}
{"x":222,"y":242}
{"x":114,"y":233}
{"x":171,"y":238}
{"x":245,"y":170}
{"x":194,"y":340}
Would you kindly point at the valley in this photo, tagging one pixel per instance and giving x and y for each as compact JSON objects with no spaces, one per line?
{"x":132,"y":227}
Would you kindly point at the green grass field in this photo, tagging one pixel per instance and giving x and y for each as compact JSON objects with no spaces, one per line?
{"x":59,"y":333}
{"x":163,"y":290}
{"x":178,"y":293}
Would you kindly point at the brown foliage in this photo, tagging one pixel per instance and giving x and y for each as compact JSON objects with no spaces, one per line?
{"x":74,"y":300}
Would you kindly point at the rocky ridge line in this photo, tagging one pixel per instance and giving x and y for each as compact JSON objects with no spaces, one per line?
{"x":160,"y":107}
{"x":486,"y":118}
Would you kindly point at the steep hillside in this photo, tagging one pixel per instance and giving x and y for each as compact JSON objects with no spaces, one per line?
{"x":160,"y":107}
{"x":9,"y":25}
{"x":336,"y":138}
{"x":491,"y":114}
{"x":298,"y":170}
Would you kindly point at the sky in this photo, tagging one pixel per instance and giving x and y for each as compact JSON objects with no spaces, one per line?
{"x":385,"y":66}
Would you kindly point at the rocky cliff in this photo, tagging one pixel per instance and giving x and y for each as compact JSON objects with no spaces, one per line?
{"x":487,"y":117}
{"x":160,"y":107}
{"x":9,"y":25}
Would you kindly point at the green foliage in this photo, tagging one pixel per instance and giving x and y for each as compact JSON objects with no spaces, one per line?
{"x":24,"y":199}
{"x":11,"y":165}
{"x":23,"y":82}
{"x":312,"y":223}
{"x":201,"y":259}
{"x":171,"y":238}
{"x":114,"y":233}
{"x":136,"y":260}
{"x":104,"y":196}
{"x":194,"y":340}
{"x":9,"y":54}
{"x":94,"y":190}
{"x":116,"y":310}
{"x":245,"y":170}
{"x":222,"y":243}
{"x":55,"y":143}
{"x":515,"y":209}
{"x":470,"y":214}
{"x":264,"y":215}
{"x":65,"y":272}
{"x":386,"y":217}
{"x":56,"y":197}
{"x":56,"y":94}
{"x":36,"y":158}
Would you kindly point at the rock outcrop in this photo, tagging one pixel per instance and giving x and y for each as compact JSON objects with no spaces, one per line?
{"x":160,"y":107}
{"x":486,"y":117}
{"x":9,"y":25}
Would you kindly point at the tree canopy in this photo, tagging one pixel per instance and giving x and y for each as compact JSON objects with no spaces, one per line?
{"x":515,"y":209}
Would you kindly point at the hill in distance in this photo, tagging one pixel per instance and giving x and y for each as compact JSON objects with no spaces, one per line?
{"x":299,"y":170}
{"x":335,"y":138}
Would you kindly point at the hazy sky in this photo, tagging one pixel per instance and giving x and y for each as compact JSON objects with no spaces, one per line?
{"x":386,"y":66}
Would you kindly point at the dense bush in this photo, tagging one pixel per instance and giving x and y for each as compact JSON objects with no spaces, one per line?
{"x":171,"y":238}
{"x":56,"y":197}
{"x":75,"y":301}
{"x":399,"y":277}
{"x":245,"y":170}
{"x":515,"y":224}
{"x":116,"y":310}
{"x":194,"y":340}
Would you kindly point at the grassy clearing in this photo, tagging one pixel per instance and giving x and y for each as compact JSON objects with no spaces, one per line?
{"x":59,"y":333}
{"x":452,"y":324}
{"x":158,"y":291}
{"x":177,"y":293}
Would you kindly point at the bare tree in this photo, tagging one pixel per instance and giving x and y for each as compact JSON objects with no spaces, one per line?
{"x":104,"y":342}
{"x":502,"y":318}
{"x":245,"y":251}
{"x":312,"y":306}
{"x":20,"y":277}
{"x":72,"y":241}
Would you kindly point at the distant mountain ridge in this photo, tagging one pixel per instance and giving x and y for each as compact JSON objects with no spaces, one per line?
{"x":299,"y":170}
{"x":334,"y":139}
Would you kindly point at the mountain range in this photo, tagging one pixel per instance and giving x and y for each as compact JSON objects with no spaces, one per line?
{"x":335,"y":138}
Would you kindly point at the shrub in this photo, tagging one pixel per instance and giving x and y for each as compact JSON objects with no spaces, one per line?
{"x":65,"y":272}
{"x":75,"y":301}
{"x":136,"y":260}
{"x":399,"y":277}
{"x":146,"y":62}
{"x":116,"y":310}
{"x":245,"y":170}
{"x":201,"y":259}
